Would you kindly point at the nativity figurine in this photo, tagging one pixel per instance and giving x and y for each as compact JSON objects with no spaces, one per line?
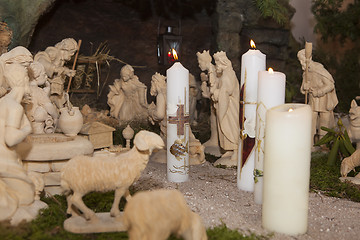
{"x":127,"y":97}
{"x":19,"y":55}
{"x":209,"y":82}
{"x":354,"y":123}
{"x":349,"y":164}
{"x":319,"y":85}
{"x":53,"y":59}
{"x":226,"y":98}
{"x":41,"y":112}
{"x":17,"y":189}
{"x":107,"y":173}
{"x":158,"y":213}
{"x":157,"y":114}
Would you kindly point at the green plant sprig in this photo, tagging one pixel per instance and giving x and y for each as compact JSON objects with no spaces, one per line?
{"x":338,"y":141}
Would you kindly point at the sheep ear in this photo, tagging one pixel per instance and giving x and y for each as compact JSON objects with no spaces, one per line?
{"x":353,"y":103}
{"x":140,"y":142}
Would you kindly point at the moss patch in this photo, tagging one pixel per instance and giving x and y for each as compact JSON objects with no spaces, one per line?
{"x":325,"y":178}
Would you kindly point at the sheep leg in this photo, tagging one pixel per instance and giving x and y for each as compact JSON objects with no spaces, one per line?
{"x":127,"y":195}
{"x":69,"y":203}
{"x":119,"y":192}
{"x":71,"y":209}
{"x":77,"y":201}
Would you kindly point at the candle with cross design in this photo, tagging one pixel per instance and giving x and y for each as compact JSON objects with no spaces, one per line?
{"x":252,"y":62}
{"x":178,"y":128}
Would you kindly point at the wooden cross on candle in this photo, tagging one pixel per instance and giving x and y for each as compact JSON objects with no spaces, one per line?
{"x":180,"y":120}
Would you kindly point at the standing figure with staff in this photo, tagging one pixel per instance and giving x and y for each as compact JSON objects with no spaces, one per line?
{"x":319,"y":89}
{"x":53,"y":59}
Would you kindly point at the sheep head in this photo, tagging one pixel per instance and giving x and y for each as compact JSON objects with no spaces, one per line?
{"x":148,"y":141}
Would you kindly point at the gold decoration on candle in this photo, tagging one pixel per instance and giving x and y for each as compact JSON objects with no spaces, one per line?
{"x":183,"y":170}
{"x":178,"y":149}
{"x":181,"y":119}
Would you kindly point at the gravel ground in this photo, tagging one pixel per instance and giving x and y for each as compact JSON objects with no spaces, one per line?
{"x":213,"y":193}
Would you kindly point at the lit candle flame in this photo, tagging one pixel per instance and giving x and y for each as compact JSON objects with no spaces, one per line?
{"x":174,"y":53}
{"x":290,"y":110}
{"x":271,"y":71}
{"x":252,"y":44}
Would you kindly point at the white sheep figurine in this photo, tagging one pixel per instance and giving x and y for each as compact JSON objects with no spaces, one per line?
{"x":350,"y":163}
{"x":84,"y":174}
{"x":154,"y":215}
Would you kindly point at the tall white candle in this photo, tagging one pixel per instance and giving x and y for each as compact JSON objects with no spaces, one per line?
{"x":177,"y":123}
{"x":252,"y":62}
{"x":271,"y":93}
{"x":287,"y":168}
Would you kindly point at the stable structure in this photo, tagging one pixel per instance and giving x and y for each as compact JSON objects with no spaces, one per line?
{"x":99,"y":134}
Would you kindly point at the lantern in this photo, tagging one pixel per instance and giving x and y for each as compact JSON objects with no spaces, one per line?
{"x":169,"y":45}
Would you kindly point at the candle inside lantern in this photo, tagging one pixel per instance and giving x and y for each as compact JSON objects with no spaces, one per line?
{"x":172,"y":55}
{"x":287,"y":168}
{"x":252,"y":62}
{"x":178,"y":129}
{"x":271,"y":93}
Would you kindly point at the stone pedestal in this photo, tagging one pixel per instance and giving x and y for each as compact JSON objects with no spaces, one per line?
{"x":103,"y":223}
{"x":47,"y":154}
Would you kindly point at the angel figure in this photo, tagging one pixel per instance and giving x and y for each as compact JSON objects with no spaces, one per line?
{"x":127,"y":96}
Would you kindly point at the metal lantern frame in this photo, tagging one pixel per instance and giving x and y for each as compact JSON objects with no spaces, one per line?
{"x":167,"y":42}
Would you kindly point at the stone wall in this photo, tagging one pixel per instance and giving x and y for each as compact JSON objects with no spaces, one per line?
{"x":227,"y":22}
{"x":22,"y":16}
{"x":235,"y":22}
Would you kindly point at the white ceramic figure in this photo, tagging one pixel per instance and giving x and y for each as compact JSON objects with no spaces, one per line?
{"x":319,"y":85}
{"x":354,"y":123}
{"x":209,"y":84}
{"x":127,"y":96}
{"x":41,"y":112}
{"x":154,"y":215}
{"x":18,"y":55}
{"x":84,"y":174}
{"x":17,"y":191}
{"x":157,"y":114}
{"x":349,"y":164}
{"x":226,"y":99}
{"x":53,"y":60}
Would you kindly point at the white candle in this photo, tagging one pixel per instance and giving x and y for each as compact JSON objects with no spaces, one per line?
{"x":287,"y":168}
{"x":271,"y":93}
{"x":177,"y":111}
{"x":252,"y":62}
